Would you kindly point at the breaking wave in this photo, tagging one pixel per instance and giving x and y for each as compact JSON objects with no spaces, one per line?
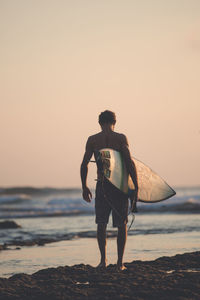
{"x":6,"y":199}
{"x":31,"y":202}
{"x":37,"y":191}
{"x":30,"y":239}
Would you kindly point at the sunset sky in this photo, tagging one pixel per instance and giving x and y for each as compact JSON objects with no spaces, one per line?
{"x":63,"y":62}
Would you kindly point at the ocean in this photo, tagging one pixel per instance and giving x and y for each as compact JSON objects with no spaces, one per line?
{"x":58,"y":228}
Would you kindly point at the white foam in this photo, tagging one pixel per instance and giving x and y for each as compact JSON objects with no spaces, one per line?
{"x":13,"y":198}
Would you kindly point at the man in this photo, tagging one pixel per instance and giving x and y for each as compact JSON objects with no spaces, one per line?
{"x":109,"y":198}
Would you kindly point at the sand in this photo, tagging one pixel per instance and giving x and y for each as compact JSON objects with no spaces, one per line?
{"x":176,"y":277}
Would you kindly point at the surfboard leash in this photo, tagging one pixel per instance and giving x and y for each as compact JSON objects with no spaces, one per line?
{"x":132,"y":221}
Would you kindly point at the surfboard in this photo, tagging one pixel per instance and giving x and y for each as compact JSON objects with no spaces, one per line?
{"x":151,"y":187}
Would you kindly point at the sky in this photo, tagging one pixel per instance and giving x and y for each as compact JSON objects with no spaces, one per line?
{"x":64,"y":62}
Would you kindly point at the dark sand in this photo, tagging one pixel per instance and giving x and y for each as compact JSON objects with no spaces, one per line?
{"x":176,"y":277}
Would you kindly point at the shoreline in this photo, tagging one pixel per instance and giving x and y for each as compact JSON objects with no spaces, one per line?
{"x":176,"y":277}
{"x":30,"y":259}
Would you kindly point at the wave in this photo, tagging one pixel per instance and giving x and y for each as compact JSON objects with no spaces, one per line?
{"x":50,"y":202}
{"x":39,"y":214}
{"x":30,"y":239}
{"x":73,"y":210}
{"x":31,"y":190}
{"x":191,"y":205}
{"x":13,"y":199}
{"x":37,"y":191}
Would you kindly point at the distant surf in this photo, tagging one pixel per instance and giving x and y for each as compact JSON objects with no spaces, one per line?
{"x":37,"y":191}
{"x":29,"y":202}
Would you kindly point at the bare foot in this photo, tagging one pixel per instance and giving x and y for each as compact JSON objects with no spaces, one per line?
{"x":121,"y":267}
{"x":102,"y":265}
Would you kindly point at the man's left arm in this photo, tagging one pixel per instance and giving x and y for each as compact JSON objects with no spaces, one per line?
{"x":131,"y":170}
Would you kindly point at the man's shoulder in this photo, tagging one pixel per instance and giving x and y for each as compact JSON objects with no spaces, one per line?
{"x":94,"y":136}
{"x":95,"y":140}
{"x":121,"y":136}
{"x":122,"y":139}
{"x":99,"y":134}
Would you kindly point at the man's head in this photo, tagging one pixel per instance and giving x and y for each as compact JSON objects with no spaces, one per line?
{"x":107,"y":117}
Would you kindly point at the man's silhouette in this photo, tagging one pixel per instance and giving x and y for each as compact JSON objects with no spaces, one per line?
{"x":109,"y":198}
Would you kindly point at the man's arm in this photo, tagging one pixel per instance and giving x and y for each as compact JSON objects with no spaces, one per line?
{"x":130,"y":165}
{"x":87,"y":195}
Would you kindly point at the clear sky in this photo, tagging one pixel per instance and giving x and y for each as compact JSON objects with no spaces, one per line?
{"x":63,"y":62}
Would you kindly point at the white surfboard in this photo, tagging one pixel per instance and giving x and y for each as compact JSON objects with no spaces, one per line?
{"x":151,"y":187}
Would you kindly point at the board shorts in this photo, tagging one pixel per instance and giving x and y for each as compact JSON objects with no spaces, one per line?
{"x":108,"y":198}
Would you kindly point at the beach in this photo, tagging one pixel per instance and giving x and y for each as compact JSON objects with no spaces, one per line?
{"x":48,"y":239}
{"x":176,"y":277}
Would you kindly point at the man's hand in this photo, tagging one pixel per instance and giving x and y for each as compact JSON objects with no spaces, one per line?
{"x":87,"y":195}
{"x":134,"y":199}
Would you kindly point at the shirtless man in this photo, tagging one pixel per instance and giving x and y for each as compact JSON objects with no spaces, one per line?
{"x":108,"y":198}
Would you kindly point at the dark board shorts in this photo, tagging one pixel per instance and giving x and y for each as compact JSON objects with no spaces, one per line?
{"x":109,"y":198}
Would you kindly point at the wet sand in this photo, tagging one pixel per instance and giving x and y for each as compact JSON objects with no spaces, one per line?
{"x":176,"y":277}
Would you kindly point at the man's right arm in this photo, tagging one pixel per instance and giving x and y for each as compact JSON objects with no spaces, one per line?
{"x":87,"y":195}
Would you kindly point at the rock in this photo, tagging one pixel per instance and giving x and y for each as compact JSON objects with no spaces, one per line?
{"x":4,"y":247}
{"x":8,"y":224}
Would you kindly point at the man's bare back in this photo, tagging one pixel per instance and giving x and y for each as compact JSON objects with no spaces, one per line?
{"x":108,"y":139}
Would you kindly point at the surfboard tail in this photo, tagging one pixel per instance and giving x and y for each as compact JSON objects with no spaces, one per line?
{"x":152,"y":188}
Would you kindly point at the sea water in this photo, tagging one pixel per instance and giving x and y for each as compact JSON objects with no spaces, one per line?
{"x":62,"y":218}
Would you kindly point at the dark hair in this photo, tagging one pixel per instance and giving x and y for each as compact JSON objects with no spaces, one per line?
{"x":107,"y":117}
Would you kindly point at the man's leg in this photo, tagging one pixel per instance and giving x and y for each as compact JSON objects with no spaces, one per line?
{"x":101,"y":238}
{"x":121,"y":242}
